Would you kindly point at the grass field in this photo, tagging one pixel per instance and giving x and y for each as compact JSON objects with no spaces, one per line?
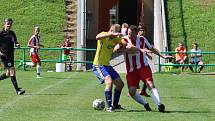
{"x":69,"y":96}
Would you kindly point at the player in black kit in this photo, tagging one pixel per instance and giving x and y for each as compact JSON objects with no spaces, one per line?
{"x":7,"y":41}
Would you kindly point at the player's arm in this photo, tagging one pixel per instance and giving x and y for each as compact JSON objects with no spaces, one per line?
{"x":156,"y":51}
{"x":109,"y":34}
{"x":119,"y":48}
{"x":15,"y":40}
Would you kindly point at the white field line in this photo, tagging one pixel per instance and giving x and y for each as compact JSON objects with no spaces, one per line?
{"x":13,"y":102}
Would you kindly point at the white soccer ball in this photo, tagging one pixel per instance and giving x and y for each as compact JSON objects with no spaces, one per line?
{"x":98,"y":104}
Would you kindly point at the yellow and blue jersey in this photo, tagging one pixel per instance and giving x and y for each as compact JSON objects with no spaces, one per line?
{"x":104,"y":50}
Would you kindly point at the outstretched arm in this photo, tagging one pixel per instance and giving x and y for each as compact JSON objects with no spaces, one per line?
{"x":109,"y":34}
{"x":157,"y":52}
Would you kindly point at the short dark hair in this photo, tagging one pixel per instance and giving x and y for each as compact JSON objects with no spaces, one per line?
{"x":8,"y":20}
{"x":133,"y":28}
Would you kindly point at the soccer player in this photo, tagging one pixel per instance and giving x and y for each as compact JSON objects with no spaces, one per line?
{"x":106,"y":42}
{"x":7,"y":41}
{"x":138,"y":68}
{"x":34,"y":44}
{"x":196,"y":58}
{"x":141,"y":33}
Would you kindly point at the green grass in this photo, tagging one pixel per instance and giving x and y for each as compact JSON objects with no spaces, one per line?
{"x":191,"y":21}
{"x":26,"y":14}
{"x":48,"y":14}
{"x":69,"y":97}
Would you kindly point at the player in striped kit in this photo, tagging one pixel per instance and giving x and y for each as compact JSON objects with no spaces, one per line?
{"x":34,"y":44}
{"x":138,"y":68}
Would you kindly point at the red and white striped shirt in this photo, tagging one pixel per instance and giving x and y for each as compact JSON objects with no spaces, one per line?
{"x":137,"y":60}
{"x":35,"y":41}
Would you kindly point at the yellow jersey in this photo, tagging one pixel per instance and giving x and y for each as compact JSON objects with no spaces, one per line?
{"x":104,"y":50}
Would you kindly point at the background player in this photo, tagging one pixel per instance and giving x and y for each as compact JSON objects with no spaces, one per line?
{"x":34,"y":44}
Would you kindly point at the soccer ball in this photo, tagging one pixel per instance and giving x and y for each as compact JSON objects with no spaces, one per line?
{"x":98,"y":104}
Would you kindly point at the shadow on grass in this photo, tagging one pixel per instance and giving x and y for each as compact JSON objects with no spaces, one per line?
{"x":183,"y":98}
{"x":59,"y":77}
{"x":133,"y":111}
{"x":187,"y":112}
{"x":45,"y":94}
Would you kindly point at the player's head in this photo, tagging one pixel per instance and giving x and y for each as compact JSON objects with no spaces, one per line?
{"x":195,"y":45}
{"x":8,"y":22}
{"x":180,"y":44}
{"x":124,"y":29}
{"x":36,"y":30}
{"x":141,"y":30}
{"x":124,"y":25}
{"x":132,"y":30}
{"x":115,"y":28}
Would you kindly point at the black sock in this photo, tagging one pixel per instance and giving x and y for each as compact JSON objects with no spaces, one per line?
{"x":13,"y":80}
{"x":117,"y":94}
{"x":3,"y":76}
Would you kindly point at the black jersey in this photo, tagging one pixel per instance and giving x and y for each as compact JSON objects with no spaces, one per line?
{"x":7,"y":41}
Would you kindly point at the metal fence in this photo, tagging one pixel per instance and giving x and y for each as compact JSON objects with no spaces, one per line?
{"x":55,"y":55}
{"x":208,"y":60}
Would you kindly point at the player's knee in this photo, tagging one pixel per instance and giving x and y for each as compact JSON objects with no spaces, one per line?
{"x":34,"y":65}
{"x":121,"y":85}
{"x":8,"y":74}
{"x":108,"y":83}
{"x":132,"y":91}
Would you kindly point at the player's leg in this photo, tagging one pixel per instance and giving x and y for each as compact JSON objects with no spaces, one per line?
{"x":38,"y":69}
{"x":155,"y":96}
{"x":104,"y":78}
{"x":143,"y":90}
{"x":12,"y":74}
{"x":117,"y":81}
{"x":117,"y":92}
{"x":3,"y":76}
{"x":146,"y":75}
{"x":38,"y":63}
{"x":4,"y":62}
{"x":108,"y":93}
{"x":133,"y":84}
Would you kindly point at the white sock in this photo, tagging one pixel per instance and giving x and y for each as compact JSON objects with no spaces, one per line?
{"x":155,"y":96}
{"x":38,"y":70}
{"x":139,"y":99}
{"x":29,"y":63}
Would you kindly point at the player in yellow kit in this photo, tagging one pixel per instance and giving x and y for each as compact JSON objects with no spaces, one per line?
{"x":106,"y":42}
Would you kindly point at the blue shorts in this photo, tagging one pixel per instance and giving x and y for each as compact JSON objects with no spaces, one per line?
{"x":103,"y":71}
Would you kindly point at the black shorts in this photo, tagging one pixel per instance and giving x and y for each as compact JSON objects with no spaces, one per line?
{"x":8,"y":62}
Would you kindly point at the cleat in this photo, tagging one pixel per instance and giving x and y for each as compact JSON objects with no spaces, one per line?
{"x":118,"y":107}
{"x":147,"y":107}
{"x":38,"y":77}
{"x":143,"y":93}
{"x":161,"y":108}
{"x":110,"y":109}
{"x":20,"y":91}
